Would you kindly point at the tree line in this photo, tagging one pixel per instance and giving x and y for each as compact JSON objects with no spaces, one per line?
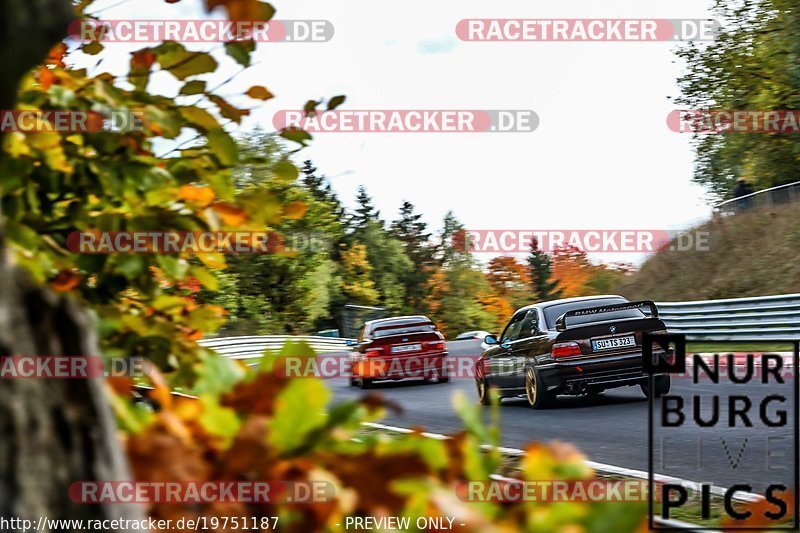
{"x":335,"y":256}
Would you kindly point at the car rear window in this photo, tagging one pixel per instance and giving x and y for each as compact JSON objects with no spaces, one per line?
{"x":552,"y":312}
{"x":402,"y":329}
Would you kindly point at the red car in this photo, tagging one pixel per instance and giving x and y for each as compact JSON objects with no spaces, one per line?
{"x":398,"y":348}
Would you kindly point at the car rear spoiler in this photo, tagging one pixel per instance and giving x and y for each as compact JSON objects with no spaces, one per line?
{"x":561,"y":322}
{"x":406,"y":325}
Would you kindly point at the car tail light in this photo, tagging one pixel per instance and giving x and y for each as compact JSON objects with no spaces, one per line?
{"x":435,"y":345}
{"x":565,"y":349}
{"x":374,"y":352}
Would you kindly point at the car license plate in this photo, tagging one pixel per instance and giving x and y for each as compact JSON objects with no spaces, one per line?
{"x":615,"y":342}
{"x":406,"y":348}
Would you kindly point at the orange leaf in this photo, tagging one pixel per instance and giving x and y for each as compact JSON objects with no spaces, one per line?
{"x":227,"y":109}
{"x":259,"y":93}
{"x":47,"y":78}
{"x":122,"y":385}
{"x":143,"y":59}
{"x":65,"y":281}
{"x":161,"y":391}
{"x":295,"y":210}
{"x":230,"y":214}
{"x":56,"y":56}
{"x":243,"y":9}
{"x":201,"y":196}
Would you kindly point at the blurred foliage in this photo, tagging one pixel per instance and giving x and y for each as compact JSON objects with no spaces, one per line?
{"x":260,"y":425}
{"x":751,"y":65}
{"x":246,"y":424}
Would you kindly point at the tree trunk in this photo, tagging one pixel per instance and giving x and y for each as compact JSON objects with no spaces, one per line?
{"x":52,"y":432}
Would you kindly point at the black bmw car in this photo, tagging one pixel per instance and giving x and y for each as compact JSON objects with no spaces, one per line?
{"x":570,"y":346}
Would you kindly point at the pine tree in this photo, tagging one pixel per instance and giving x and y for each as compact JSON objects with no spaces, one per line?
{"x":365,"y":212}
{"x":312,"y":182}
{"x":540,"y":267}
{"x":412,"y":232}
{"x":320,"y":188}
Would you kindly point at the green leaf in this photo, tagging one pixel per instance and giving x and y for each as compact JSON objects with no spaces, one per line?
{"x":299,"y":410}
{"x":285,"y":170}
{"x":93,"y":48}
{"x":164,"y":122}
{"x":130,"y":417}
{"x":193,"y":87}
{"x":198,"y":117}
{"x":130,"y":266}
{"x":240,"y":51}
{"x":218,"y":420}
{"x":216,"y":374}
{"x":336,"y":101}
{"x":223,"y":146}
{"x":296,"y":135}
{"x":183,"y":63}
{"x":205,"y":277}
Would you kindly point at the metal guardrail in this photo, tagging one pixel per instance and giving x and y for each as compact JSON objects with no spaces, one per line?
{"x":782,"y":194}
{"x":760,"y":318}
{"x":252,"y":347}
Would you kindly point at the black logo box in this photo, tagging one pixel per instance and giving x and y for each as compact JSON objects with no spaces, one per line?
{"x":659,"y":365}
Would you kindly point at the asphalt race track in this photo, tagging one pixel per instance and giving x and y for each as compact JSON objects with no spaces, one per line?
{"x":612,"y":428}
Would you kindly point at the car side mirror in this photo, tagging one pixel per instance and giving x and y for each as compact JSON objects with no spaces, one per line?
{"x":491,"y":340}
{"x":561,"y":323}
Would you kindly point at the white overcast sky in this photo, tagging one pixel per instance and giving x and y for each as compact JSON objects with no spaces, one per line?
{"x":602,"y":156}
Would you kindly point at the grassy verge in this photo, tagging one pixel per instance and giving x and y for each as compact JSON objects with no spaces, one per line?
{"x":724,"y":347}
{"x":690,"y":512}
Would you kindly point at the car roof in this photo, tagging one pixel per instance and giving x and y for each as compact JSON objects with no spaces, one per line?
{"x":543,"y":305}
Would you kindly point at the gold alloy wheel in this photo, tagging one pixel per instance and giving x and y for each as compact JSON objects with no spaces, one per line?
{"x":530,"y":386}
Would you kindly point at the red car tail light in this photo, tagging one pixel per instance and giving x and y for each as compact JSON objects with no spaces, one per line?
{"x":565,"y":349}
{"x":374,"y":352}
{"x":435,"y":345}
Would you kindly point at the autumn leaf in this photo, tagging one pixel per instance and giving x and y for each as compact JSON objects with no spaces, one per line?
{"x":227,"y":110}
{"x":161,"y":392}
{"x":259,"y":93}
{"x":56,"y":56}
{"x":336,"y":101}
{"x":65,"y":281}
{"x":295,"y":210}
{"x":47,"y":78}
{"x":200,"y":195}
{"x":193,"y":87}
{"x":230,"y":214}
{"x":243,"y":9}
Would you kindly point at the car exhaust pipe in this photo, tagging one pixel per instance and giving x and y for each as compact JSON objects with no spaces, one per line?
{"x":577,"y":387}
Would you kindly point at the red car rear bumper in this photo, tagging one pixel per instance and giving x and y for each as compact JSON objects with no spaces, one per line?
{"x":399,"y":367}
